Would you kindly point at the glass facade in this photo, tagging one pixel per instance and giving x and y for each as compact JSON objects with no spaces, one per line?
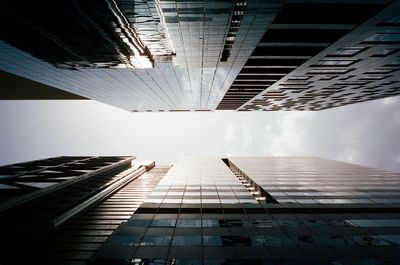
{"x":20,"y":183}
{"x":245,"y":55}
{"x":77,"y":241}
{"x":306,"y":180}
{"x":204,"y":211}
{"x":137,"y":55}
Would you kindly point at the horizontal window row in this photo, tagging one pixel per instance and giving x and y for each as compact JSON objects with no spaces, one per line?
{"x":243,"y":193}
{"x":203,"y":192}
{"x":255,"y":241}
{"x":264,"y":223}
{"x":337,"y":201}
{"x":270,"y":261}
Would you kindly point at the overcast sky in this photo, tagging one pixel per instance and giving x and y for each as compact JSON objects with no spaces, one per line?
{"x":365,"y":133}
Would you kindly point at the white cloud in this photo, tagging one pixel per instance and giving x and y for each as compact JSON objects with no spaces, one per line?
{"x":291,"y":134}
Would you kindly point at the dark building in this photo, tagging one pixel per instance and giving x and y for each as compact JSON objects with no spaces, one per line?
{"x":60,"y":210}
{"x":202,"y":55}
{"x":236,"y":210}
{"x":317,"y":55}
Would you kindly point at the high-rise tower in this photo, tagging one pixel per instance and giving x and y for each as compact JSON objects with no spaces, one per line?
{"x":263,"y":210}
{"x":60,"y":210}
{"x":235,"y":210}
{"x":205,"y":55}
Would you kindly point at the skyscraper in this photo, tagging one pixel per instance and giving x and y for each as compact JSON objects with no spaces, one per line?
{"x":263,"y":210}
{"x":44,"y":207}
{"x":235,"y":210}
{"x":202,"y":56}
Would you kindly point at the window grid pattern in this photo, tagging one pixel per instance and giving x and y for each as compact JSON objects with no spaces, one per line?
{"x":308,"y":181}
{"x":362,"y":65}
{"x":21,"y":180}
{"x":204,"y":182}
{"x":79,"y":240}
{"x":220,"y":238}
{"x":191,"y":77}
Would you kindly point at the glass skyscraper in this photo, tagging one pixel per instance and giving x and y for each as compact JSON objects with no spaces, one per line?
{"x":263,"y":210}
{"x":243,"y":55}
{"x":229,"y":211}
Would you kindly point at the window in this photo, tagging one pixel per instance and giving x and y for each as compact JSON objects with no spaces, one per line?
{"x":328,"y":63}
{"x":125,"y":240}
{"x":188,"y":223}
{"x":163,"y":223}
{"x":187,"y":241}
{"x":212,"y":241}
{"x":156,"y":241}
{"x":347,"y":52}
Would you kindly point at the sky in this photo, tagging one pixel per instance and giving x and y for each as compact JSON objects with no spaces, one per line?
{"x":365,"y":133}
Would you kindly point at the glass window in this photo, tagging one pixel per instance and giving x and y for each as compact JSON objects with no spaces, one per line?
{"x":389,"y":222}
{"x":188,"y":223}
{"x":388,"y":36}
{"x":393,"y":239}
{"x":210,"y":201}
{"x":236,"y":241}
{"x":247,"y":223}
{"x":364,"y":222}
{"x":210,"y":223}
{"x":329,"y":71}
{"x":231,"y":223}
{"x":347,"y":51}
{"x":125,"y":240}
{"x":304,"y":240}
{"x":393,"y":19}
{"x":186,"y":241}
{"x":339,"y":223}
{"x":212,"y":241}
{"x":262,"y":223}
{"x":163,"y":223}
{"x":384,"y":52}
{"x":337,"y":241}
{"x":369,"y":241}
{"x":289,"y":223}
{"x":277,"y":241}
{"x":191,"y":201}
{"x":138,"y":222}
{"x":258,"y":241}
{"x":156,"y":241}
{"x":314,"y":223}
{"x":335,"y":63}
{"x":229,"y":201}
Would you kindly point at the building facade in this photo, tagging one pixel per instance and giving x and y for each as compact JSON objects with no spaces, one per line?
{"x":211,"y":211}
{"x":263,"y":210}
{"x":202,"y":56}
{"x":60,"y":210}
